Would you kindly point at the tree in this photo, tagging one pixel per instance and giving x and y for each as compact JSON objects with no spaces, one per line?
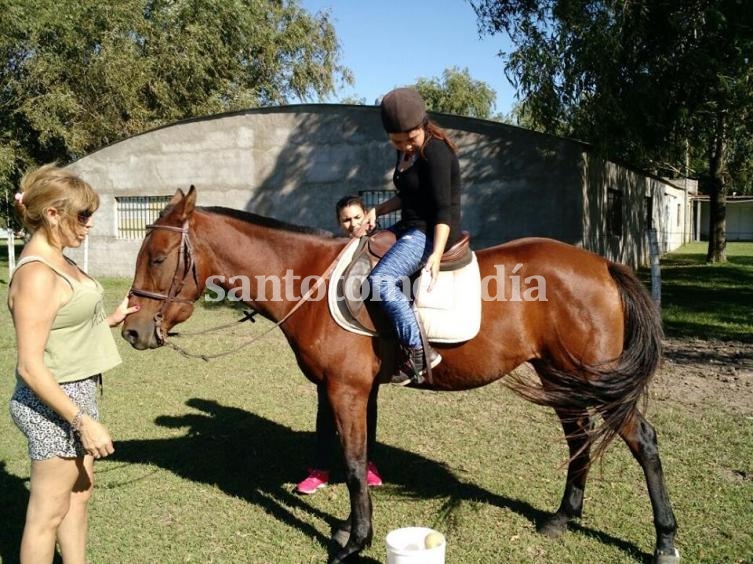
{"x":665,"y":85}
{"x":354,"y":100}
{"x":79,"y":74}
{"x":457,"y":93}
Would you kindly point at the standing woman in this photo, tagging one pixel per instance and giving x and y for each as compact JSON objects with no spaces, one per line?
{"x":64,"y":344}
{"x":350,"y":213}
{"x":427,"y":180}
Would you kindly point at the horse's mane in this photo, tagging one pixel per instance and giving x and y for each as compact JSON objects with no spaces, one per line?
{"x":250,"y":217}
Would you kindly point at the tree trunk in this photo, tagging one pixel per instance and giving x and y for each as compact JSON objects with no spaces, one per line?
{"x":718,"y":196}
{"x":717,"y":223}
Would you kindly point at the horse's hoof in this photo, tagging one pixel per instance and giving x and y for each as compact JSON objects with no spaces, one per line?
{"x":342,"y":556}
{"x":662,"y":557}
{"x":554,"y":527}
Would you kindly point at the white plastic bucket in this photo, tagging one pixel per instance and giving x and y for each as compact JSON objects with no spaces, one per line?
{"x":406,"y":546}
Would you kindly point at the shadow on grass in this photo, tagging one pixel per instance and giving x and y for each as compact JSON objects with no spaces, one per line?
{"x":13,"y":514}
{"x":251,"y":458}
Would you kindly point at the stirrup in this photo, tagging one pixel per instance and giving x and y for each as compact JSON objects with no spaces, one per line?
{"x":414,"y":368}
{"x":432,"y":357}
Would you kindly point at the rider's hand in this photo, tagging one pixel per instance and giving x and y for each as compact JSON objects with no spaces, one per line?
{"x":432,"y":266}
{"x":369,"y":221}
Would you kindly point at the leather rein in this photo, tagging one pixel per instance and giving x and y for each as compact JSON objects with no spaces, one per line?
{"x":185,"y":257}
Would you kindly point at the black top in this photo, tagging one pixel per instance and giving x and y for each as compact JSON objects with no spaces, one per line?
{"x":430,"y":191}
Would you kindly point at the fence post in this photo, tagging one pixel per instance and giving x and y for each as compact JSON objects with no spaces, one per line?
{"x":653,"y":249}
{"x":11,"y":252}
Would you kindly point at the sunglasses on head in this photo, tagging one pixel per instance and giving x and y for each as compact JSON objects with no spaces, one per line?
{"x":84,"y":216}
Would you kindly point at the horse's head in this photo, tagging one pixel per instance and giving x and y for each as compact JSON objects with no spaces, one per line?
{"x":166,"y":282}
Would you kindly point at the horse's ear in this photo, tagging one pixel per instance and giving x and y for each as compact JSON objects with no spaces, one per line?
{"x":183,"y":204}
{"x":177,"y":197}
{"x":189,"y":203}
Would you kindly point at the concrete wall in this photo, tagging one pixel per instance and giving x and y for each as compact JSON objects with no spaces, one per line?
{"x":667,"y":204}
{"x":293,"y":163}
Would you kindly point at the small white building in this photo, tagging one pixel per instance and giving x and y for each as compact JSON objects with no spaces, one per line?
{"x":739,"y":218}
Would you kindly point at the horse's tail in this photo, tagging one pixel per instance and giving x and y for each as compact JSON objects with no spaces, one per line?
{"x":612,"y":389}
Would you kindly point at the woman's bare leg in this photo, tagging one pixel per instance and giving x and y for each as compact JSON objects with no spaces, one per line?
{"x":52,"y":482}
{"x":72,"y":532}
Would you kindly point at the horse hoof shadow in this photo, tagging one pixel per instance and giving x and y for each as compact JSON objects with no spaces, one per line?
{"x":554,"y":526}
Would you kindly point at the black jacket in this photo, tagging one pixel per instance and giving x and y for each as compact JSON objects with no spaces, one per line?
{"x":430,"y":191}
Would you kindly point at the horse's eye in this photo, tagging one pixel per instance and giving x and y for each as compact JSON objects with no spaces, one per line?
{"x":159,"y":259}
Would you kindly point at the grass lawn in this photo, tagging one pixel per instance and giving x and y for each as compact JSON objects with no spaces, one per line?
{"x":207,"y":456}
{"x":708,"y":300}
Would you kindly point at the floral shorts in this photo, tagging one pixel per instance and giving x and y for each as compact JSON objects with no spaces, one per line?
{"x":49,"y":434}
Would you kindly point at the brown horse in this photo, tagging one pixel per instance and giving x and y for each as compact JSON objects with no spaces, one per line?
{"x":590,"y":331}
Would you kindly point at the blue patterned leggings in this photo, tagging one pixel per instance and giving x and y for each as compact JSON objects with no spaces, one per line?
{"x":389,"y":276}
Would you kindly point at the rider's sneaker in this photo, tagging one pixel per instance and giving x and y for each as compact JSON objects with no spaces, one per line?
{"x":373,"y":478}
{"x":315,"y":480}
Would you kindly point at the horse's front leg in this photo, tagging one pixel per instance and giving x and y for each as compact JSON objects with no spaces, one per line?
{"x":349,"y":404}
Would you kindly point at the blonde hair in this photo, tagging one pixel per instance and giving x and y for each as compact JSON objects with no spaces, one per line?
{"x":50,"y":186}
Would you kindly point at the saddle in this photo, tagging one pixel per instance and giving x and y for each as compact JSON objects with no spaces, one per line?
{"x":376,"y":245}
{"x":369,"y":251}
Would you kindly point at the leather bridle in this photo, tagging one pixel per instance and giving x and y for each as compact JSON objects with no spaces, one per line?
{"x":185,"y":259}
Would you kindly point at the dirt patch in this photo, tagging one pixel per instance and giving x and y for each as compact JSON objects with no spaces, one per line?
{"x":704,"y":373}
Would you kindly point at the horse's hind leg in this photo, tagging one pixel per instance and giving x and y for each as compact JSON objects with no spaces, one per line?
{"x":640,"y":438}
{"x":576,"y":427}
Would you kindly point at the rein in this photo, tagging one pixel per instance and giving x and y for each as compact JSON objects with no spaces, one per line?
{"x":178,"y":282}
{"x":208,"y":357}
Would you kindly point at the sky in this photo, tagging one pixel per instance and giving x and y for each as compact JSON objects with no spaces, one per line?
{"x":391,"y":43}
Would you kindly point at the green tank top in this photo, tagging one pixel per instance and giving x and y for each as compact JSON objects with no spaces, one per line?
{"x":80,"y":344}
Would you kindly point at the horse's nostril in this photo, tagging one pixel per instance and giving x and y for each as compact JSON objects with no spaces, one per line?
{"x":130,"y":335}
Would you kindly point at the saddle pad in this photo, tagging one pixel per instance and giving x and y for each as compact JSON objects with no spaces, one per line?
{"x":337,"y":307}
{"x":451,"y":312}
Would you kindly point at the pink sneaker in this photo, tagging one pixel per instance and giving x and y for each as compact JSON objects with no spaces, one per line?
{"x":372,"y":475}
{"x":315,"y":480}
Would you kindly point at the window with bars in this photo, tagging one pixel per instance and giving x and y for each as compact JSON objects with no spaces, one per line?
{"x":373,"y":198}
{"x":134,"y":213}
{"x":614,"y":212}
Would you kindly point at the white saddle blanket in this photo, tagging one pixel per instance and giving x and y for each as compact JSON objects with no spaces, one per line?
{"x":451,"y":312}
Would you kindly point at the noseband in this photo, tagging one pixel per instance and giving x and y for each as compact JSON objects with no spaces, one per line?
{"x":185,"y":258}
